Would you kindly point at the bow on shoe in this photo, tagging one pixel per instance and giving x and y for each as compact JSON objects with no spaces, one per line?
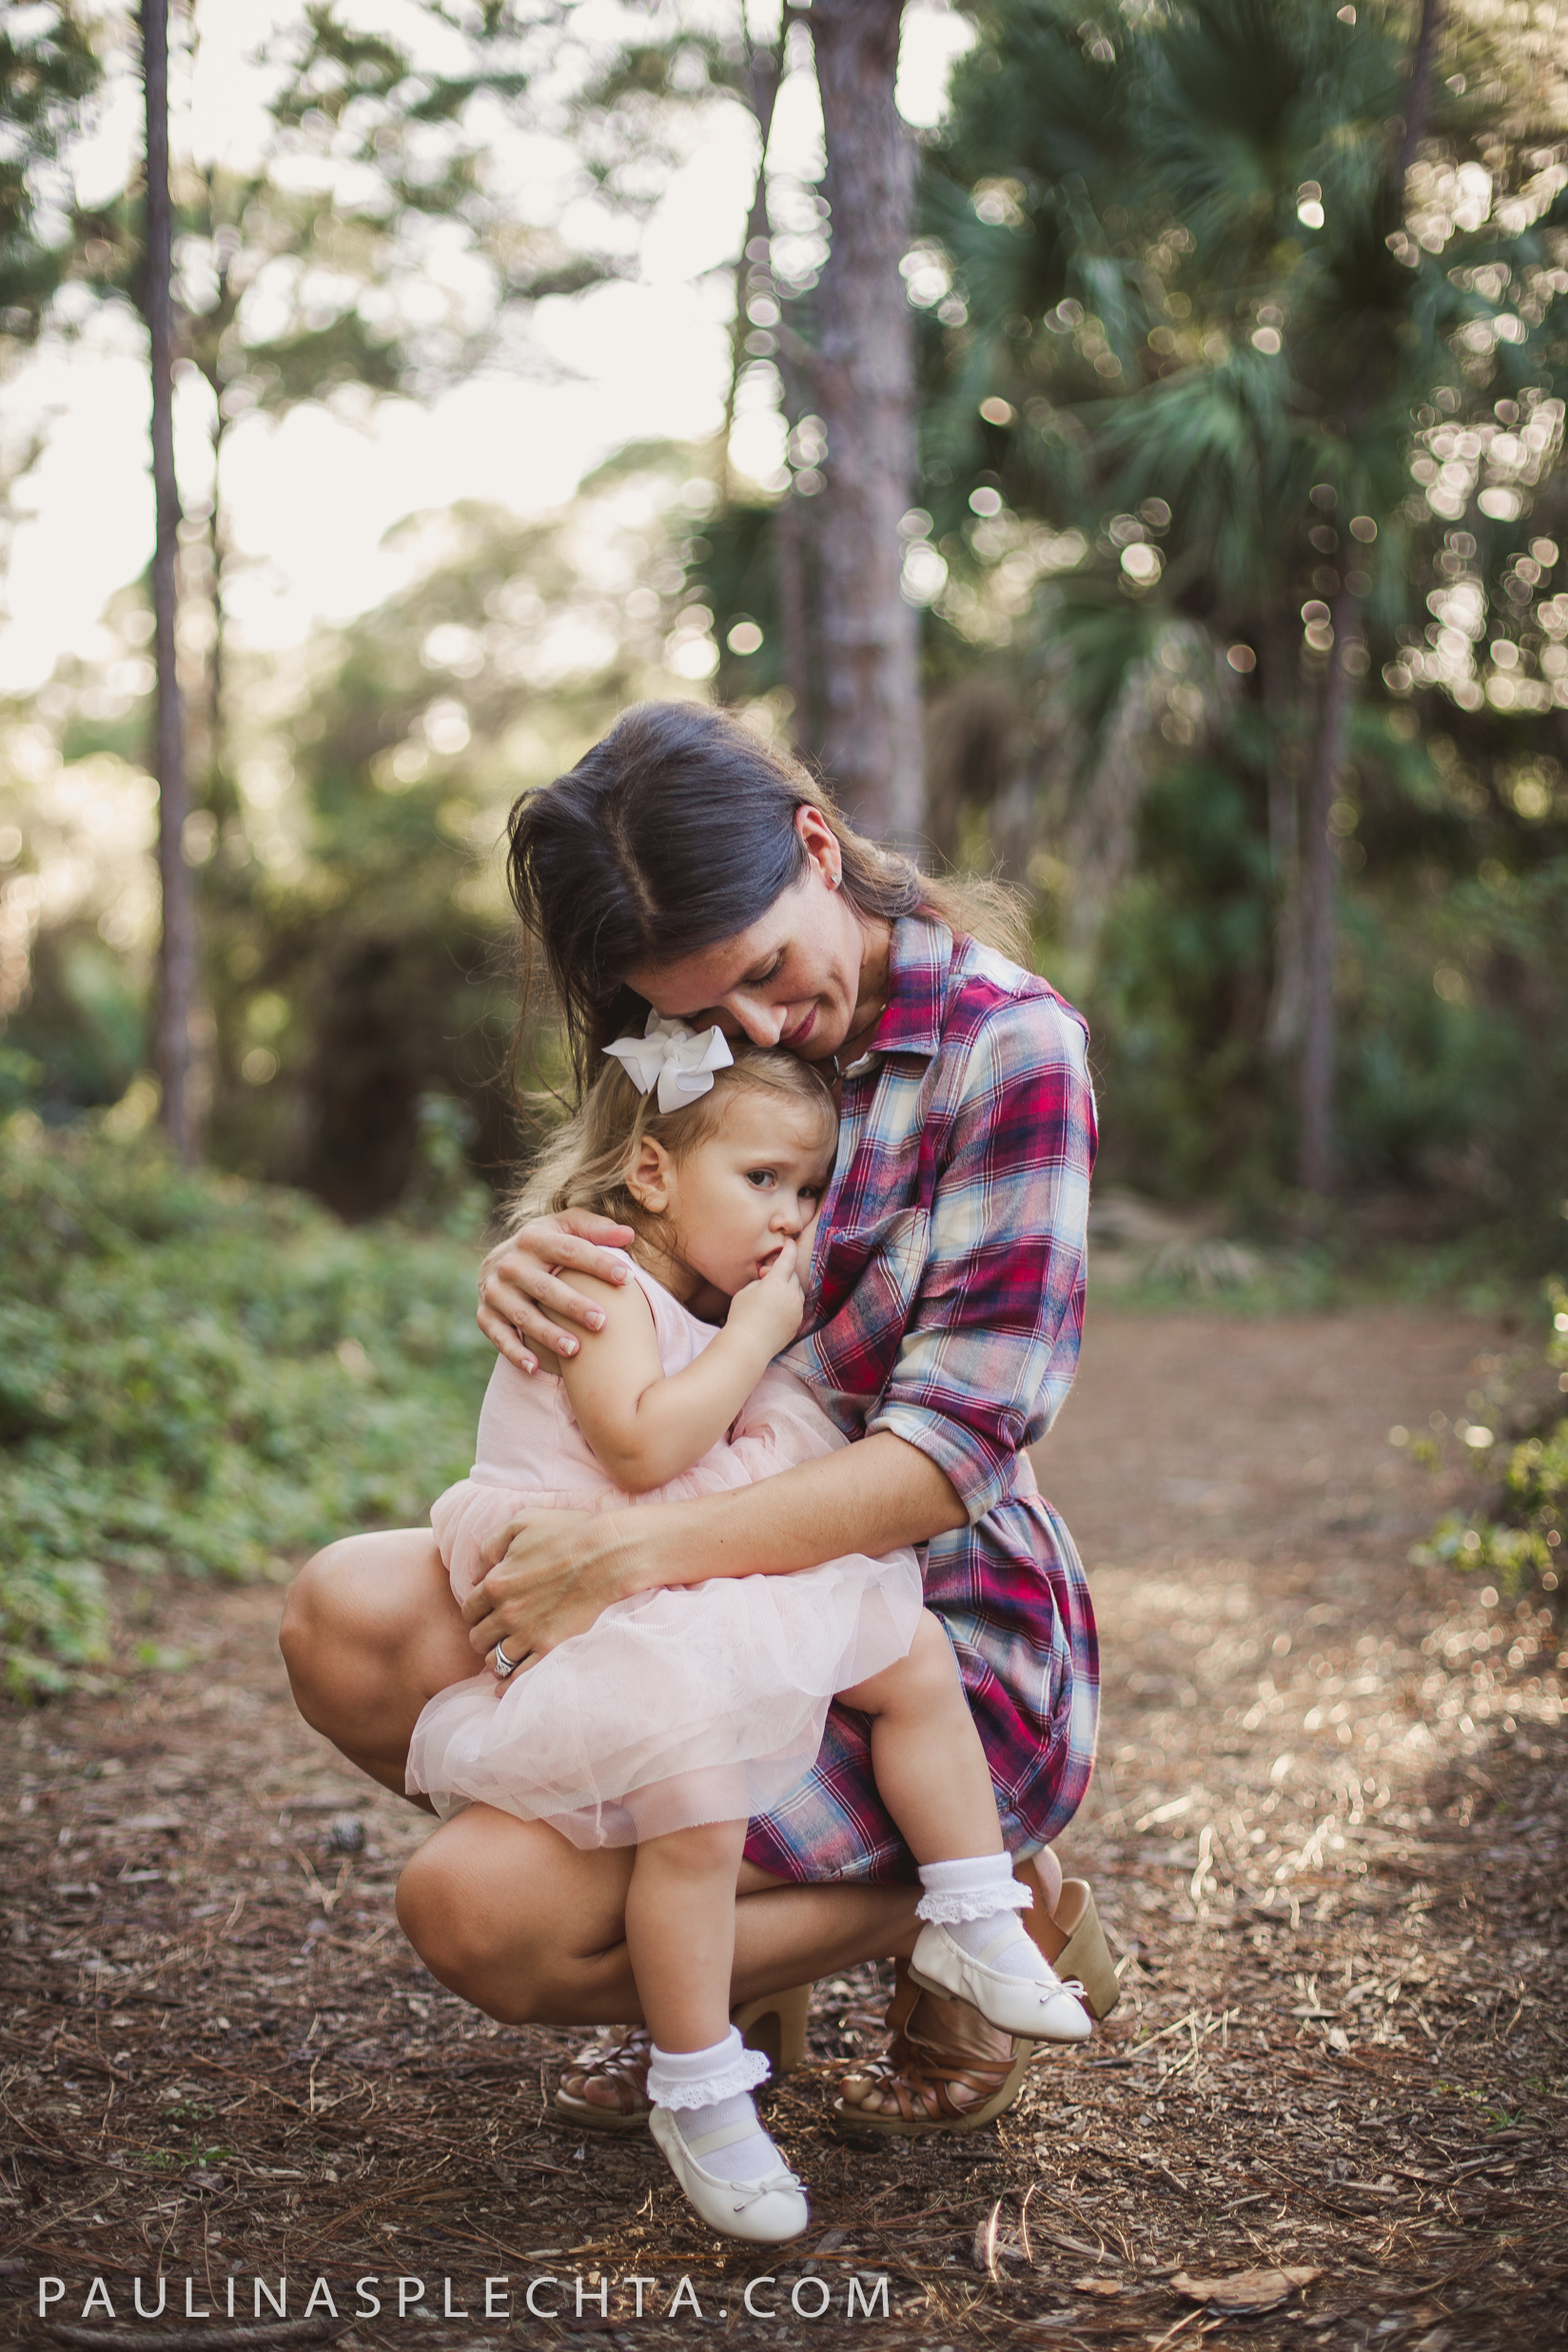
{"x":680,"y":1060}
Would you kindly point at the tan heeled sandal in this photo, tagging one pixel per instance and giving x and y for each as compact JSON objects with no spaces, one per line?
{"x":920,"y":2075}
{"x":1072,"y":1939}
{"x":774,"y":2023}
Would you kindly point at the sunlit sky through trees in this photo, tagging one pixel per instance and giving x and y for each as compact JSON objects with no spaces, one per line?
{"x":310,"y":497}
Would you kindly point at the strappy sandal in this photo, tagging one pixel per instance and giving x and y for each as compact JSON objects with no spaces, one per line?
{"x":1072,"y":1939}
{"x":623,"y":2065}
{"x":774,"y":2023}
{"x":921,"y":2076}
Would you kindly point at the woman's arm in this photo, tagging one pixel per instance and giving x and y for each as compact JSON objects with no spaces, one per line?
{"x":645,"y":1425}
{"x":558,"y":1570}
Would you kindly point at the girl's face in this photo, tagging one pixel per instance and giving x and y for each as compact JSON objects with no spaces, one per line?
{"x":791,"y":978}
{"x":727,"y":1208}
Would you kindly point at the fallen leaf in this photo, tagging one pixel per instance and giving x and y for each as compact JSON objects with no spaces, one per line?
{"x":1245,"y":2290}
{"x":1095,"y":2286}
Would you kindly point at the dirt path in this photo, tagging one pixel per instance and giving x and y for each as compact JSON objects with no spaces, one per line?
{"x":1328,"y":1839}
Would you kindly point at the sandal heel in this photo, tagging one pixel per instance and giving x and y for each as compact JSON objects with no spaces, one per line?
{"x":775,"y":2024}
{"x":1073,"y":1941}
{"x":918,"y":2077}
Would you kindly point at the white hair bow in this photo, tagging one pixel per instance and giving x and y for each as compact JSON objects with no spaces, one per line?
{"x":680,"y":1060}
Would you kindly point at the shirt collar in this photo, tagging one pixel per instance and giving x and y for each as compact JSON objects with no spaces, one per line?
{"x":919,"y":962}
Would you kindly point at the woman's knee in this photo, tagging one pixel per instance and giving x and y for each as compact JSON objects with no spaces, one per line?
{"x":457,"y":1938}
{"x":514,"y":1919}
{"x":322,"y":1606}
{"x":367,"y":1612}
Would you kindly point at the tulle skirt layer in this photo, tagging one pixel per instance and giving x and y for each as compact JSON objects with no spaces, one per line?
{"x":700,"y":1703}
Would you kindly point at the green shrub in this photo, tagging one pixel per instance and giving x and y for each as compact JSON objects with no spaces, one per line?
{"x":1516,"y":1535}
{"x":201,"y":1375}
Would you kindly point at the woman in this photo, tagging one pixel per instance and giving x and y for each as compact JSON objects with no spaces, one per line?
{"x":683,"y":865}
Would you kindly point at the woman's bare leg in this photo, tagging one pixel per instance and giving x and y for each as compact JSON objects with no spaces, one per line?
{"x":507,"y":1913}
{"x":532,"y":1930}
{"x":370,"y":1632}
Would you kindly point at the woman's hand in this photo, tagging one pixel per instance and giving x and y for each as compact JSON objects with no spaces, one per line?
{"x":519,"y":1290}
{"x":551,"y":1574}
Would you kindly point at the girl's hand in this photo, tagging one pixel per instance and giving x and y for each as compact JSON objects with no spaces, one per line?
{"x":771,"y":1310}
{"x":518,"y":1290}
{"x":551,"y":1575}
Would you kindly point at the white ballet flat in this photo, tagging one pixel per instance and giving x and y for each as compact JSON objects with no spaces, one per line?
{"x":766,"y":2211}
{"x":1035,"y":2008}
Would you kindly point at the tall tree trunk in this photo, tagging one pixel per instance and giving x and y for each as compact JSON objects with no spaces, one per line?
{"x":764,"y":72}
{"x":177,"y":945}
{"x":789,"y":558}
{"x":220,"y":791}
{"x":1315,"y":1125}
{"x":1420,"y":94}
{"x":1277,"y":648}
{"x":1315,"y":1129}
{"x":869,"y":637}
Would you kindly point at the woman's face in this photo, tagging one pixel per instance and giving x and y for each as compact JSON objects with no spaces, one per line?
{"x":791,"y":978}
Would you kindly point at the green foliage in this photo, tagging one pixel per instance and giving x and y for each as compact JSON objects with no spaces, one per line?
{"x":373,"y":971}
{"x":1182,"y":991}
{"x":199,"y":1375}
{"x":49,"y":69}
{"x":1197,"y":350}
{"x":1516,"y":1536}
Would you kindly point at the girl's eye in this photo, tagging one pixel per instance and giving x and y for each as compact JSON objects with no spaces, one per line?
{"x":760,"y":1177}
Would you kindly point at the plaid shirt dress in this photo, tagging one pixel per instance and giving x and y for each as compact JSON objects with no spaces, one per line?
{"x":946,"y":1303}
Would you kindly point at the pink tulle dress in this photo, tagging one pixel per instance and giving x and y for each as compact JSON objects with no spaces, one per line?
{"x":701,"y":1702}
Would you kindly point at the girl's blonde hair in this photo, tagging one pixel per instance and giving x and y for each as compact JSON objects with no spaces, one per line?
{"x":584,"y":1165}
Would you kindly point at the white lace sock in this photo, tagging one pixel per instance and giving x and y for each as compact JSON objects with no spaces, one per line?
{"x":968,"y":1897}
{"x":709,"y":2091}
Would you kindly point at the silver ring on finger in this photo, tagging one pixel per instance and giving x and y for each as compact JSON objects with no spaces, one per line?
{"x":503,"y":1664}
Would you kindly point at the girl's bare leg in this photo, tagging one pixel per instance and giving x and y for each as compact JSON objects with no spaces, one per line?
{"x":680,"y":1932}
{"x":370,"y":1632}
{"x":929,"y":1764}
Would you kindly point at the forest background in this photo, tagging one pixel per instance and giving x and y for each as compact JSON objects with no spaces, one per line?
{"x":1229,"y":550}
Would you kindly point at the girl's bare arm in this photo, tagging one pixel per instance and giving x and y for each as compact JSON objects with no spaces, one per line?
{"x":646,"y":1426}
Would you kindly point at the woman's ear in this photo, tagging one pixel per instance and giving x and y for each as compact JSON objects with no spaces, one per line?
{"x":647,"y":1177}
{"x":821,"y":844}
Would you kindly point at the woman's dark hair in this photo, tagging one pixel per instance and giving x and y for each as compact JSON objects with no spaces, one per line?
{"x":675,"y":831}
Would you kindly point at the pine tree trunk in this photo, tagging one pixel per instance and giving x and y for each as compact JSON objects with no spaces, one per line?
{"x":1315,"y":1129}
{"x":1314,"y":1126}
{"x":177,"y":946}
{"x":868,"y":635}
{"x":1278,"y":652}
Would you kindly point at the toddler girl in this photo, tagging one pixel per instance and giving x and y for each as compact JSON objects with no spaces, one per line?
{"x":682,"y":1711}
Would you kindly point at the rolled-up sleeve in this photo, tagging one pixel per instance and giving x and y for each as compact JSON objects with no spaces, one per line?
{"x":989,"y":1349}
